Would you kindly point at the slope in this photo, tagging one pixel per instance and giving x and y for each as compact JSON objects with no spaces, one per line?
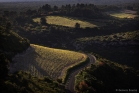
{"x":66,"y":21}
{"x":119,"y":47}
{"x":43,"y":61}
{"x":20,"y":82}
{"x":12,"y":42}
{"x":107,"y":76}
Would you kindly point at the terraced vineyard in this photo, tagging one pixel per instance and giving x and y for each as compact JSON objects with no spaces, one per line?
{"x":64,"y":21}
{"x":43,"y":61}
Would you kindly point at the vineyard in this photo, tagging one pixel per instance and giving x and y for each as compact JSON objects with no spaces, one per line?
{"x":43,"y":61}
{"x":64,"y":21}
{"x":124,"y":14}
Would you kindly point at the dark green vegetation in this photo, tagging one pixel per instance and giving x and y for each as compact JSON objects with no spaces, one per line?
{"x":3,"y":66}
{"x":11,"y":44}
{"x":22,"y":82}
{"x":78,"y":10}
{"x":119,"y":47}
{"x":116,"y":41}
{"x":106,"y":76}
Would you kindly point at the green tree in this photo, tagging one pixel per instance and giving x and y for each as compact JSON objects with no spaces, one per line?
{"x":77,"y":25}
{"x":55,"y":8}
{"x":3,"y":66}
{"x":8,"y":26}
{"x":43,"y":21}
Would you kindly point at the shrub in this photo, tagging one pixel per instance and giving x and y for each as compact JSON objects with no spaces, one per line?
{"x":77,"y":25}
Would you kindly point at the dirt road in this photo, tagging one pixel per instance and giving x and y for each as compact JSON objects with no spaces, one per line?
{"x":71,"y":81}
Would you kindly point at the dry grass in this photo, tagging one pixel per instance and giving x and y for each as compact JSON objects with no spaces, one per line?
{"x":124,"y":14}
{"x":43,"y":61}
{"x":64,"y":21}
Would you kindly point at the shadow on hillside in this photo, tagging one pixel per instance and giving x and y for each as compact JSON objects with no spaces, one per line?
{"x":27,"y":62}
{"x":36,"y":65}
{"x":127,"y":55}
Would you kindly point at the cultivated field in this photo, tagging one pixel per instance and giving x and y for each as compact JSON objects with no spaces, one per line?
{"x":124,"y":14}
{"x":43,"y":61}
{"x":65,"y":21}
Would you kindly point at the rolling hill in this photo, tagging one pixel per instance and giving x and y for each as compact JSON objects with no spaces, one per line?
{"x":11,"y":42}
{"x":70,"y":0}
{"x":43,"y":61}
{"x":107,"y":76}
{"x":66,"y":21}
{"x":20,"y":82}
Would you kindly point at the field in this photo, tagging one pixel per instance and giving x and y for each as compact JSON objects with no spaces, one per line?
{"x":123,"y":14}
{"x":43,"y":61}
{"x":65,"y":21}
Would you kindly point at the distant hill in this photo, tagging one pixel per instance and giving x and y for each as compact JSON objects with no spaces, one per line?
{"x":78,"y":1}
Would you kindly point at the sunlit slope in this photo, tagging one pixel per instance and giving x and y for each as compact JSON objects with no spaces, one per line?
{"x":124,"y":14}
{"x":65,"y":21}
{"x":43,"y":61}
{"x":131,"y":35}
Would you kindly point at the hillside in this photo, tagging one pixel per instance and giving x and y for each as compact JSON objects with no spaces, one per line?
{"x":117,"y":47}
{"x":66,"y":21}
{"x":12,"y":42}
{"x":43,"y":61}
{"x":77,"y":1}
{"x":20,"y":82}
{"x":119,"y":37}
{"x":107,"y":76}
{"x":58,"y":28}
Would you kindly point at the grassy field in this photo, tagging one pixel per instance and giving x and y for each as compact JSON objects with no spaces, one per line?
{"x":123,"y":14}
{"x":65,"y":21}
{"x":43,"y":61}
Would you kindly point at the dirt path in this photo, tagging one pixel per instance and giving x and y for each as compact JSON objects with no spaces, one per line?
{"x":71,"y":81}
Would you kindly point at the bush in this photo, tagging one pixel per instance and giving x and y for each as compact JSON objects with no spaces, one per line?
{"x":3,"y":66}
{"x":77,"y":25}
{"x":43,"y":21}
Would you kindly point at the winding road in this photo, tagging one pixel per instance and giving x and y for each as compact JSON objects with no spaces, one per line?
{"x":71,"y":81}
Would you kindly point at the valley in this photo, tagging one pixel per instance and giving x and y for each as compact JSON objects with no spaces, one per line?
{"x":69,"y":46}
